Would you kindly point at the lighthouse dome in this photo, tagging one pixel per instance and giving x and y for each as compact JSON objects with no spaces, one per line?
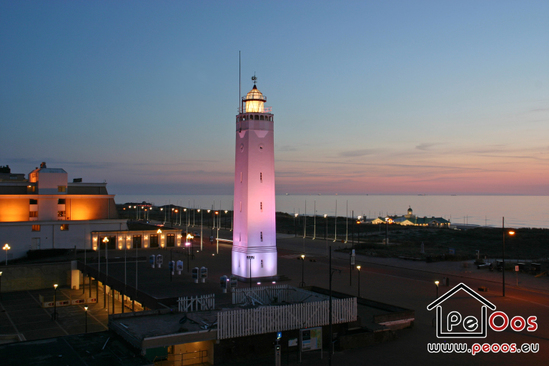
{"x":254,"y":101}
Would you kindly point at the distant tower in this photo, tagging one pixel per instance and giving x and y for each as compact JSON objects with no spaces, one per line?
{"x":254,"y":252}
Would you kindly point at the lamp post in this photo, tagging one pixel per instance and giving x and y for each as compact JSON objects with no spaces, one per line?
{"x":0,"y":285}
{"x":250,"y":257}
{"x":511,"y":233}
{"x":358,"y":281}
{"x":436,"y":289}
{"x":302,"y":258}
{"x":6,"y":248}
{"x":54,"y":317}
{"x":201,"y":211}
{"x":85,"y":319}
{"x":105,"y":241}
{"x":188,"y":245}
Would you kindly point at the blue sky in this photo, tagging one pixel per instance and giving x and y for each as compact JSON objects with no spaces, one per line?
{"x":389,"y":97}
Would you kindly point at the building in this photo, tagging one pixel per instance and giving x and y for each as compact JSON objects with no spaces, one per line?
{"x":46,"y":211}
{"x":254,"y":253}
{"x":412,"y":220}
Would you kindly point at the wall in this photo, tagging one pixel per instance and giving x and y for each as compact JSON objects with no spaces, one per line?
{"x":35,"y":276}
{"x":14,"y":208}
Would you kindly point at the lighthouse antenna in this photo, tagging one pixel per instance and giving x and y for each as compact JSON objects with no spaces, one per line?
{"x":240,"y":103}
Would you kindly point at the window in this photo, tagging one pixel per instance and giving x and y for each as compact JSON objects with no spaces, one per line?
{"x":261,"y":236}
{"x":261,"y":206}
{"x":261,"y":177}
{"x":262,"y":263}
{"x":60,"y":213}
{"x":64,"y":227}
{"x":36,"y":228}
{"x":62,"y":188}
{"x":33,"y":214}
{"x":61,"y":201}
{"x":33,"y":202}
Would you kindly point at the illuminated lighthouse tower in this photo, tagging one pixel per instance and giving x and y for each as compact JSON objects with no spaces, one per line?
{"x":254,"y":249}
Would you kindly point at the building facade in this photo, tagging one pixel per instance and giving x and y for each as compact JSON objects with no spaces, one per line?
{"x":412,"y":220}
{"x":46,"y":211}
{"x":254,"y":253}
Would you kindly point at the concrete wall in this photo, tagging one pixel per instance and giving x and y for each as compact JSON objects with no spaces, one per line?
{"x":35,"y":276}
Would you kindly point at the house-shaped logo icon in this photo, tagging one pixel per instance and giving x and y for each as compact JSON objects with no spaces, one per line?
{"x":473,"y":327}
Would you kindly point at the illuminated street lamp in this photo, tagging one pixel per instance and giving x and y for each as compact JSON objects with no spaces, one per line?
{"x":358,"y":281}
{"x":188,"y":245}
{"x":54,"y":317}
{"x":511,"y":233}
{"x":302,"y":258}
{"x":6,"y":248}
{"x":85,"y":319}
{"x":436,"y":289}
{"x":105,"y":241}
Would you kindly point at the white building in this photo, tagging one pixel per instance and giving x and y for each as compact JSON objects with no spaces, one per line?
{"x":254,"y":251}
{"x":45,"y":211}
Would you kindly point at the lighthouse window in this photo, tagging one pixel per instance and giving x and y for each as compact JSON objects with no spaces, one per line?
{"x":261,"y":236}
{"x":261,"y":177}
{"x":261,"y":206}
{"x":262,"y":263}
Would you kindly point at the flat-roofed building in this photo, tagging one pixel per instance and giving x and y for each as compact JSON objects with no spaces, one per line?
{"x":46,"y":211}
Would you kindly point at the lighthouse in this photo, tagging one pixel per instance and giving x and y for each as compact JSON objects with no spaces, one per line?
{"x":254,"y":253}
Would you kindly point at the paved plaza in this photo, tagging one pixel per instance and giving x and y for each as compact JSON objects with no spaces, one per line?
{"x":404,"y":283}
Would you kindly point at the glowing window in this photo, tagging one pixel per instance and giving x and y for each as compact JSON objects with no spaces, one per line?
{"x":35,"y":228}
{"x":64,"y":227}
{"x":60,"y":213}
{"x":62,"y":188}
{"x":33,"y":214}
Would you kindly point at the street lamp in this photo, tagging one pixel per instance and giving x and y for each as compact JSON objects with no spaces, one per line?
{"x":105,"y":241}
{"x":6,"y":248}
{"x":436,"y":289}
{"x":55,"y":301}
{"x":0,"y":285}
{"x":302,"y":258}
{"x":511,"y":233}
{"x":250,"y":266}
{"x":85,"y":319}
{"x":188,"y":245}
{"x":358,"y":281}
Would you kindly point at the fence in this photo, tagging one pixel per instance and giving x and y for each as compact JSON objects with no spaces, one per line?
{"x":271,"y":319}
{"x":274,"y":294}
{"x":196,"y":303}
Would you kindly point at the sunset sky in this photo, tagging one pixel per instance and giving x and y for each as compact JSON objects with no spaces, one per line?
{"x":377,"y":97}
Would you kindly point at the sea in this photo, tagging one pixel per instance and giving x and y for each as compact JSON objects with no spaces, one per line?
{"x":517,"y":211}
